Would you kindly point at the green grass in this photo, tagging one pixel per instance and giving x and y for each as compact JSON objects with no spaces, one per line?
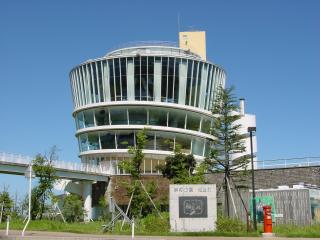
{"x":312,"y":231}
{"x":56,"y":226}
{"x":96,"y":228}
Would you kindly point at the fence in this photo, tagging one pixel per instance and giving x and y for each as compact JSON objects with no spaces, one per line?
{"x":288,"y":162}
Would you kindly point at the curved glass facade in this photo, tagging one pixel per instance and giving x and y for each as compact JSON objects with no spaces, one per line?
{"x":146,"y":78}
{"x":137,"y":115}
{"x":167,"y":89}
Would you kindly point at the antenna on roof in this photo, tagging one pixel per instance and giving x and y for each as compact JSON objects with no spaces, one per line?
{"x":178,"y":22}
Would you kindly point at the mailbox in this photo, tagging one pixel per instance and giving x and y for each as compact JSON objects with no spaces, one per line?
{"x":267,"y":219}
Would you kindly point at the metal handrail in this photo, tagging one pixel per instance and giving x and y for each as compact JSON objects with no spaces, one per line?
{"x":144,"y":43}
{"x":288,"y":162}
{"x":22,"y":159}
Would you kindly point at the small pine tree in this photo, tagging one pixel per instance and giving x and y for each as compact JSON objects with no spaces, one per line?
{"x":228,"y":142}
{"x":140,"y":203}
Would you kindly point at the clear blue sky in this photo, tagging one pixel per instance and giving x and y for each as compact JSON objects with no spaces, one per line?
{"x":269,"y":49}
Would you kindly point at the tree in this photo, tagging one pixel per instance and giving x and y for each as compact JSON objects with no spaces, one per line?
{"x":140,"y":196}
{"x":45,"y":171}
{"x":228,"y":144}
{"x":72,"y":209}
{"x":6,"y":203}
{"x":182,"y":169}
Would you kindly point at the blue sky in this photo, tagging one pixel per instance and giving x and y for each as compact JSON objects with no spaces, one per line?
{"x":269,"y":49}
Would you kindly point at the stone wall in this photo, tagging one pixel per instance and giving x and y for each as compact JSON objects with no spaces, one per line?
{"x":272,"y":178}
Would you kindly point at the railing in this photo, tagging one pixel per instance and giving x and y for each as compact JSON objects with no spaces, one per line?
{"x":71,"y":166}
{"x":145,"y":43}
{"x":288,"y":162}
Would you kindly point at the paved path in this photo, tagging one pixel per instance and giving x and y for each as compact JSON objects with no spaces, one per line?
{"x":70,"y":236}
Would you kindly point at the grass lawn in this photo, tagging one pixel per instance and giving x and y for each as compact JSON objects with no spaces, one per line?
{"x":96,"y":228}
{"x":312,"y":231}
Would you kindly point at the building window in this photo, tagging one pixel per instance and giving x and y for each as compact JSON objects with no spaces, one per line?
{"x":164,"y":79}
{"x":80,"y":120}
{"x":137,"y":79}
{"x":176,"y":81}
{"x":193,"y":122}
{"x":107,"y":140}
{"x":124,"y":140}
{"x":137,"y":116}
{"x":118,"y":116}
{"x":177,"y":119}
{"x":88,"y":118}
{"x":124,"y":79}
{"x":157,"y":117}
{"x":150,"y":78}
{"x":111,"y":80}
{"x":189,"y":79}
{"x":102,"y":117}
{"x":93,"y":141}
{"x":117,"y":78}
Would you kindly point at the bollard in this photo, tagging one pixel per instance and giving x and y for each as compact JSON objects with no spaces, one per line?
{"x":8,"y":222}
{"x":132,"y":228}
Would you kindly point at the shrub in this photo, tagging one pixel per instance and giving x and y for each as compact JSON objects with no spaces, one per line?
{"x":153,"y":223}
{"x":73,"y":208}
{"x":225,"y":224}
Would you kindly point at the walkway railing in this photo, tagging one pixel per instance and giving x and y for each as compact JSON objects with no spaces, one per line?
{"x":288,"y":162}
{"x":70,"y":166}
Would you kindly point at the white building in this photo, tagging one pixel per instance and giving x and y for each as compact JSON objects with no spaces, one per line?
{"x":166,"y":89}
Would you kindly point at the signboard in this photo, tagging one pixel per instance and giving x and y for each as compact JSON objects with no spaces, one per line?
{"x":193,"y":207}
{"x":260,"y":202}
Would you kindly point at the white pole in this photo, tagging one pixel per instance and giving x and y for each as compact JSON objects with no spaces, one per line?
{"x":8,"y":221}
{"x":132,"y":228}
{"x":29,"y":214}
{"x":1,"y":211}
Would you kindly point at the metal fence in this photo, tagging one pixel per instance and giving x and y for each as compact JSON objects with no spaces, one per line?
{"x":288,"y":162}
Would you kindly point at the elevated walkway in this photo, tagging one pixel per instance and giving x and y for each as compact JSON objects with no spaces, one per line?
{"x":17,"y":164}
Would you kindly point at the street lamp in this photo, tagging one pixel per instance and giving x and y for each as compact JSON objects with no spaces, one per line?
{"x":254,"y":207}
{"x":28,"y":174}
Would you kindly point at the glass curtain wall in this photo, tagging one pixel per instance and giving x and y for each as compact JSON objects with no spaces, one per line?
{"x":156,"y":140}
{"x":89,"y":86}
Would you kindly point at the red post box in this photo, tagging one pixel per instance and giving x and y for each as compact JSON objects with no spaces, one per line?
{"x":267,"y":219}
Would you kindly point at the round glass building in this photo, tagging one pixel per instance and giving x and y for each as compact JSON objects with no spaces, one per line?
{"x":160,"y":87}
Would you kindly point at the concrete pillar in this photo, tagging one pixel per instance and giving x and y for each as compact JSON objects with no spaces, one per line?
{"x":87,"y":198}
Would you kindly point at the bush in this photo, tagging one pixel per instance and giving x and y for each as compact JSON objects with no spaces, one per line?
{"x":225,"y":224}
{"x":73,"y":208}
{"x":153,"y":223}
